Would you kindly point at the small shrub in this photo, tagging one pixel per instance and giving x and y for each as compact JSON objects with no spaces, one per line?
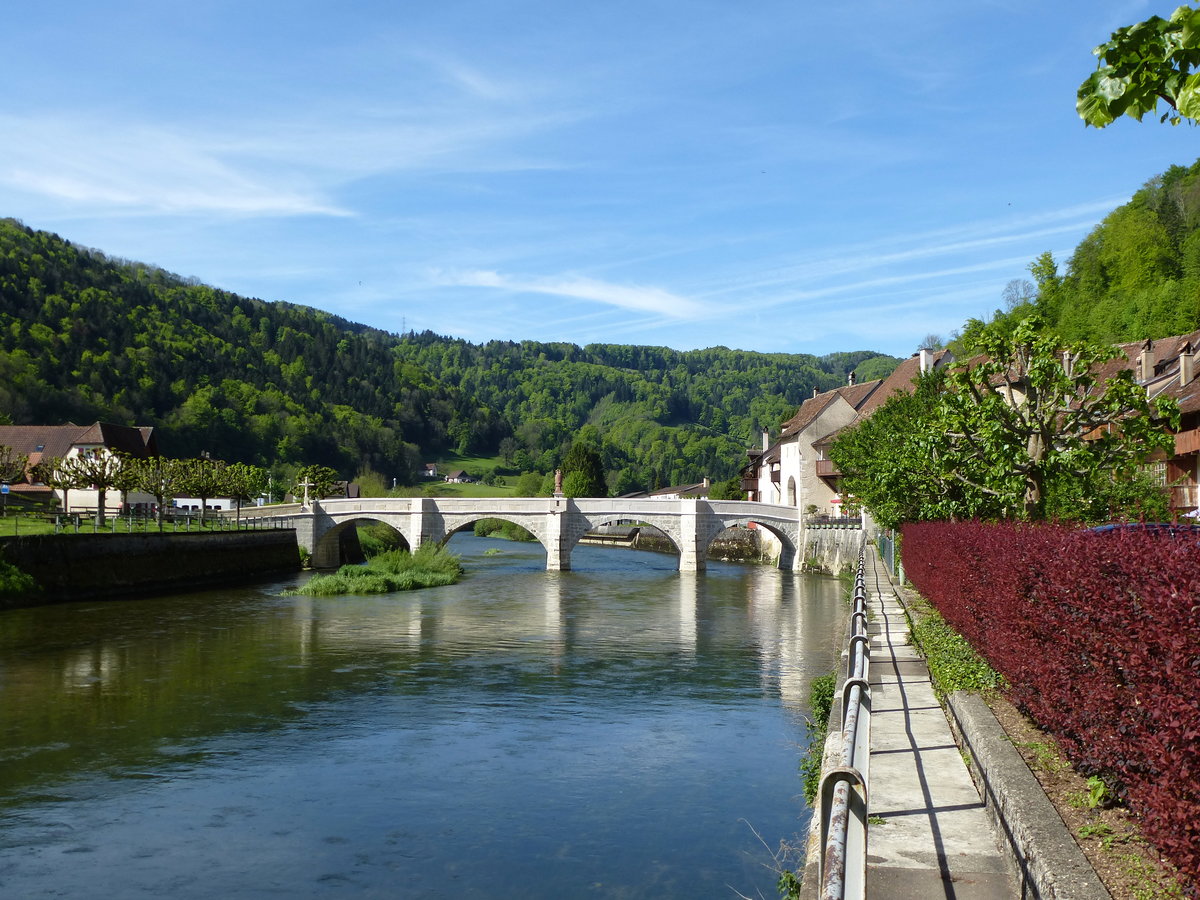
{"x":14,"y":582}
{"x":820,"y":701}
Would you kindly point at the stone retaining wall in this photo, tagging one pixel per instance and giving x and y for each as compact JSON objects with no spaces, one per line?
{"x":83,"y":566}
{"x":831,"y":550}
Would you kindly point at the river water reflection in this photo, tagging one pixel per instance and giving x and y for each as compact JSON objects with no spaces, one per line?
{"x":615,"y":731}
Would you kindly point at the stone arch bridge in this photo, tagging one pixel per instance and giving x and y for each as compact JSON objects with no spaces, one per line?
{"x":558,"y":523}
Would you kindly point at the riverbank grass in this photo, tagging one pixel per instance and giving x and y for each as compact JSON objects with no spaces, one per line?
{"x":395,"y":570}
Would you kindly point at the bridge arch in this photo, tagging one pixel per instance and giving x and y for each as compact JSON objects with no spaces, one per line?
{"x":327,"y":547}
{"x":453,"y":525}
{"x":788,"y":540}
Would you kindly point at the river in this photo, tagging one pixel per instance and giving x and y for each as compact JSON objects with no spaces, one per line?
{"x":618,"y":731}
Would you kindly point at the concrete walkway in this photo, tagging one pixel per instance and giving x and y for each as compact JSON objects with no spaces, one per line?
{"x":935,"y":840}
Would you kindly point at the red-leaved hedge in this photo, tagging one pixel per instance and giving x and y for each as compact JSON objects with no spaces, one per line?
{"x":1098,"y":635}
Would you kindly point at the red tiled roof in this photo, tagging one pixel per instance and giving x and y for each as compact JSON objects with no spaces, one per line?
{"x":57,"y":440}
{"x":902,"y":379}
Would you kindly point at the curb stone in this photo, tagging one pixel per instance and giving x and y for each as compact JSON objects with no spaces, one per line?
{"x":1044,"y":857}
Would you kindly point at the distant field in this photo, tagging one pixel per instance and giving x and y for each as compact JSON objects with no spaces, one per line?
{"x":477,"y":466}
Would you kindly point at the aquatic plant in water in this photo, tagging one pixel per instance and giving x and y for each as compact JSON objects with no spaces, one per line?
{"x":395,"y":570}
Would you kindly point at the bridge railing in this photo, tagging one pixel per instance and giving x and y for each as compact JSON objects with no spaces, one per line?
{"x":842,"y":796}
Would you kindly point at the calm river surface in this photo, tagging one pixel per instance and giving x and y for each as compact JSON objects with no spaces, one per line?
{"x":611,"y":732}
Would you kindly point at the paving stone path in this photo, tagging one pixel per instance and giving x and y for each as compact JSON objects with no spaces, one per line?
{"x":935,"y":840}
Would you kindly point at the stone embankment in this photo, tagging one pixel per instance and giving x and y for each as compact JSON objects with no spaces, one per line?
{"x":81,"y":567}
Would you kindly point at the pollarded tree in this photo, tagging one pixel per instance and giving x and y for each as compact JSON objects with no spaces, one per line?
{"x":61,"y":474}
{"x":204,"y":479}
{"x":98,"y":470}
{"x":12,"y":464}
{"x":1029,"y":421}
{"x":1140,"y":65}
{"x":1033,"y":410}
{"x":243,"y":483}
{"x":160,"y":477}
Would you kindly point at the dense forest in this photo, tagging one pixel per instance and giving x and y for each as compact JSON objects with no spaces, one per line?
{"x":1135,"y":276}
{"x":85,"y":337}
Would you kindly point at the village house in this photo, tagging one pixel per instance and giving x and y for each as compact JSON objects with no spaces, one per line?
{"x":458,"y":476}
{"x":698,"y":491}
{"x":45,"y":442}
{"x":1168,"y":367}
{"x":795,"y":470}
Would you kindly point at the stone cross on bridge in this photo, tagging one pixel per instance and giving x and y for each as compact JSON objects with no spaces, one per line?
{"x":558,"y":523}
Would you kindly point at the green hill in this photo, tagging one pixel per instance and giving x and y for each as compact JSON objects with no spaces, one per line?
{"x":85,"y":337}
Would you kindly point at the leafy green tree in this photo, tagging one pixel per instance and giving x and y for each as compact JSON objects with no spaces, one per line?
{"x":583,"y":472}
{"x":529,"y":485}
{"x":1143,"y":64}
{"x":727,"y":490}
{"x":885,"y":459}
{"x":1017,"y":435}
{"x":12,"y":464}
{"x":243,"y":483}
{"x":204,"y":479}
{"x":1035,"y":410}
{"x":160,"y":477}
{"x":320,"y":481}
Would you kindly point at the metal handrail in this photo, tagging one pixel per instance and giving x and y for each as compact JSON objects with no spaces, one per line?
{"x":842,"y":796}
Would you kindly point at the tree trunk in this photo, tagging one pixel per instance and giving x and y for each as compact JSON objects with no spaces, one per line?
{"x":1035,"y":478}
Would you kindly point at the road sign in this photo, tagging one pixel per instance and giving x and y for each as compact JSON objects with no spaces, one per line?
{"x":4,"y":488}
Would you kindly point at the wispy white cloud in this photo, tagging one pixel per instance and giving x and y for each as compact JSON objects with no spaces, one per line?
{"x":639,"y":298}
{"x":86,"y":162}
{"x":291,"y":167}
{"x":900,"y":250}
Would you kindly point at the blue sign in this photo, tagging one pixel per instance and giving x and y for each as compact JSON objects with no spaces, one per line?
{"x":3,"y":488}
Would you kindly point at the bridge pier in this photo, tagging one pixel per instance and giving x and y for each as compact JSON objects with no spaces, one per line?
{"x":558,"y":547}
{"x":693,"y":546}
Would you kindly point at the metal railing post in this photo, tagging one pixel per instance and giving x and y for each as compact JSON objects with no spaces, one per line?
{"x":843,"y":792}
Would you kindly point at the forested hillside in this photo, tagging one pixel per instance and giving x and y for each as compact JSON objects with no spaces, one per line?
{"x":1137,"y":275}
{"x":85,"y":337}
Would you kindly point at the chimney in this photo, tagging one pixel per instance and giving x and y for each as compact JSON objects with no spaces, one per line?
{"x":814,"y":390}
{"x":766,"y":440}
{"x":926,"y":360}
{"x":1187,"y":365}
{"x":1145,"y":362}
{"x":850,"y":379}
{"x":707,"y":482}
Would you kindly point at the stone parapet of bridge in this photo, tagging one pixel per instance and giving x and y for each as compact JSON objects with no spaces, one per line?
{"x":558,"y":523}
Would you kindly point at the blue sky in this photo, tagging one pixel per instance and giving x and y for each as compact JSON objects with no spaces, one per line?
{"x":774,"y":176}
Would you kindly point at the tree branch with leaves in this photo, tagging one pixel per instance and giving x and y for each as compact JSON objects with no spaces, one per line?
{"x":1142,"y":65}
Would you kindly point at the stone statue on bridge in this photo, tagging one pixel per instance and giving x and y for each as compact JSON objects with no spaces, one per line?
{"x":558,"y":483}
